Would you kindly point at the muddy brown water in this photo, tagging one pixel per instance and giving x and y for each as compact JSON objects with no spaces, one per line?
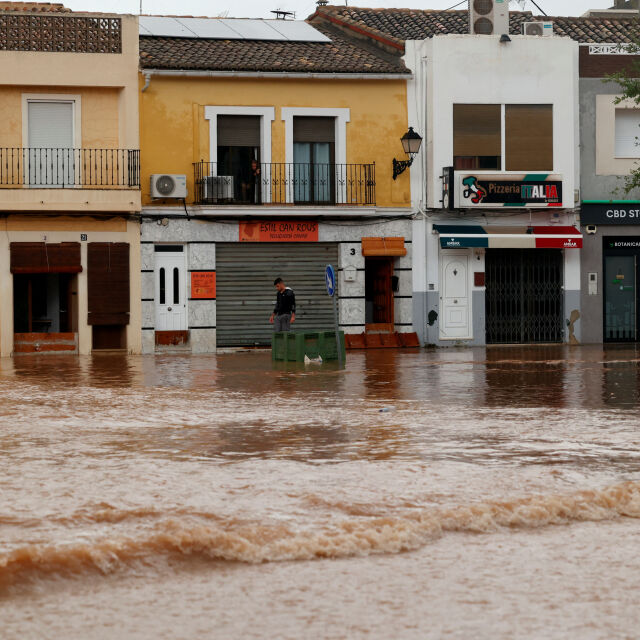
{"x":485,"y":493}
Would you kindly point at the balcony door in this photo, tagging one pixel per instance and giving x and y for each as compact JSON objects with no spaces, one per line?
{"x":238,"y":177}
{"x":313,"y":160}
{"x":50,"y":161}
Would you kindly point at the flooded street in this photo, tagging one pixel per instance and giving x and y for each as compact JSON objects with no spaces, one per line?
{"x":486,"y":493}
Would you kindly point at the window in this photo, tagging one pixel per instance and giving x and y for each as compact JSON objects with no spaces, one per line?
{"x":50,"y":142}
{"x":479,"y":129}
{"x":477,"y":139}
{"x":239,"y":155}
{"x":528,"y":137}
{"x":627,"y":133}
{"x":313,"y":158}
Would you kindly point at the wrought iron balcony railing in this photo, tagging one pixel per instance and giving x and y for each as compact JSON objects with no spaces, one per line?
{"x":286,"y":184}
{"x":65,"y":168}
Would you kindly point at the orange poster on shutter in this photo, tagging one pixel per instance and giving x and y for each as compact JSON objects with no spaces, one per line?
{"x":279,"y":231}
{"x":203,"y":284}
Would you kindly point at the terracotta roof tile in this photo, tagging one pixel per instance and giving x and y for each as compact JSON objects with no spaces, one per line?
{"x":341,"y":55}
{"x":418,"y":24}
{"x":34,"y":7}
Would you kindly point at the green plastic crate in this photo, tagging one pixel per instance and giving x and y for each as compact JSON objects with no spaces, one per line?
{"x":293,"y":346}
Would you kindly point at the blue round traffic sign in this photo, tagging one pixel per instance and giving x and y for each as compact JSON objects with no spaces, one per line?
{"x":330,"y":280}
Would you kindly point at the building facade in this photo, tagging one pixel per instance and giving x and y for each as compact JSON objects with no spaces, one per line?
{"x":267,"y":152}
{"x":497,"y":254}
{"x":610,"y":218}
{"x":69,"y":181}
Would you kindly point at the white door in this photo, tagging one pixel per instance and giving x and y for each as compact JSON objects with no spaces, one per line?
{"x":455,"y":308}
{"x":171,"y":291}
{"x":51,"y":160}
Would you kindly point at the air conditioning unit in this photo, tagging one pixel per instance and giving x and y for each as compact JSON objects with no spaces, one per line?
{"x":164,"y":185}
{"x":537,"y":29}
{"x":218,"y":188}
{"x":488,"y":17}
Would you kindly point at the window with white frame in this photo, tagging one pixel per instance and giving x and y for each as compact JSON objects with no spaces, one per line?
{"x":627,"y":133}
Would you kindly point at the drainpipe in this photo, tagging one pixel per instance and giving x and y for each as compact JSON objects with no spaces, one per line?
{"x":147,"y":81}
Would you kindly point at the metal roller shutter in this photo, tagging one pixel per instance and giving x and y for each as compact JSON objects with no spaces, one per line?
{"x":246,"y":296}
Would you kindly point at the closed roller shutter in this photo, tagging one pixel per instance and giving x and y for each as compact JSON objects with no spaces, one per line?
{"x":108,"y":283}
{"x":246,"y":296}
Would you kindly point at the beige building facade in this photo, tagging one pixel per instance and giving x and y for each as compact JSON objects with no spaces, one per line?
{"x":69,"y":181}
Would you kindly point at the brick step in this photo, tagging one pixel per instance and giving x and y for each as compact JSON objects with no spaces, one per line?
{"x":393,"y":340}
{"x":33,"y":343}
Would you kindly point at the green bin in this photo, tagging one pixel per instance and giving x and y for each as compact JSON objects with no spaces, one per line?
{"x":293,"y":346}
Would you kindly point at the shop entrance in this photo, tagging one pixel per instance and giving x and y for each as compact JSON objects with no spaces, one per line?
{"x":379,"y":299}
{"x":245,"y":295}
{"x":43,"y":303}
{"x":524,"y":296}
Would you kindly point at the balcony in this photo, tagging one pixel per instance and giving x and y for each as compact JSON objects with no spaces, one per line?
{"x":59,"y":179}
{"x":288,"y":184}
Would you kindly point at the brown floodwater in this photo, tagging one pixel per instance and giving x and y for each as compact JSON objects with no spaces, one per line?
{"x":476,"y":493}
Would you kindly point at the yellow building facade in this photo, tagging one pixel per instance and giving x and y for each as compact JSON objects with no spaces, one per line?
{"x":69,"y":182}
{"x":278,"y":157}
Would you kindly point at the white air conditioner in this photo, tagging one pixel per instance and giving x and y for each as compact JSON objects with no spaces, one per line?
{"x":218,"y":188}
{"x":537,"y":29}
{"x":488,"y":17}
{"x":165,"y":185}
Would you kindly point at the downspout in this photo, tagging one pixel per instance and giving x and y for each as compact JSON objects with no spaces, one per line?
{"x":147,"y":80}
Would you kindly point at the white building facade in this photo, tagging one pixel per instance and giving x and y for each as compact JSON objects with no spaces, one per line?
{"x":496,"y":250}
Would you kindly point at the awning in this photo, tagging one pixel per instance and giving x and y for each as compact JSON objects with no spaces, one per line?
{"x":490,"y":237}
{"x":372,"y":247}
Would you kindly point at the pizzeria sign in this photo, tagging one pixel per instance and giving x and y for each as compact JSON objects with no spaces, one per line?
{"x":478,"y":190}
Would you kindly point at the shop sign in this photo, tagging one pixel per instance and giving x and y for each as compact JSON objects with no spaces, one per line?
{"x":621,"y":242}
{"x":203,"y":285}
{"x":279,"y":231}
{"x":508,"y":190}
{"x":610,"y":213}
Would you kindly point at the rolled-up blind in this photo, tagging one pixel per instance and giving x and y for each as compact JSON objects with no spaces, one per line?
{"x":38,"y":257}
{"x":314,"y":129}
{"x":238,"y":131}
{"x":108,"y":283}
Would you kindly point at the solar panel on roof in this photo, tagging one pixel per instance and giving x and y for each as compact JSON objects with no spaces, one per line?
{"x":298,"y":31}
{"x":205,"y":28}
{"x":230,"y":29}
{"x":253,"y":29}
{"x":165,"y":26}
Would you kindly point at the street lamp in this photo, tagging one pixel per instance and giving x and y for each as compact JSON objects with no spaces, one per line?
{"x":411,"y":142}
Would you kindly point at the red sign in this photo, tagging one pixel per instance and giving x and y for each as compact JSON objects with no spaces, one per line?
{"x":279,"y":231}
{"x":203,"y":285}
{"x":557,"y":237}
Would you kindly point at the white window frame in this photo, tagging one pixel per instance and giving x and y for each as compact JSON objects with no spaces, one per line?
{"x":76,"y":103}
{"x":607,"y":163}
{"x":266,"y":114}
{"x":341,"y":115}
{"x":74,"y":99}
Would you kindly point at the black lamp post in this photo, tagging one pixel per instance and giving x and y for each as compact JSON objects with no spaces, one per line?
{"x":411,"y":142}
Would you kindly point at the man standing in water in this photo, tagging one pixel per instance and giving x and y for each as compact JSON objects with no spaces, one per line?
{"x":284,"y":312}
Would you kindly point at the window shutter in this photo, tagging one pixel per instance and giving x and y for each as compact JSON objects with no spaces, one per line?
{"x":529,"y":137}
{"x":108,"y":283}
{"x":50,"y":125}
{"x":627,"y":132}
{"x":314,"y":129}
{"x":238,"y":131}
{"x":38,"y":257}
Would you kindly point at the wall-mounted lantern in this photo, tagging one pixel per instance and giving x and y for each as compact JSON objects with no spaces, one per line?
{"x":411,"y":142}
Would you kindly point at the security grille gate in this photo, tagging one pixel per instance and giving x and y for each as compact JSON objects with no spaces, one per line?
{"x":524,"y":298}
{"x":246,"y":296}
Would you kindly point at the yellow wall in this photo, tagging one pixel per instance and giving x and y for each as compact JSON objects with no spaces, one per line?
{"x":174,"y":133}
{"x":99,"y":114}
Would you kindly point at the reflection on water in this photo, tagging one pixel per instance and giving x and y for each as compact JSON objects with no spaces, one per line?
{"x":124,"y":473}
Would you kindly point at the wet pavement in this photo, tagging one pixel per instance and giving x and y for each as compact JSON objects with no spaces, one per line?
{"x":487,"y":493}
